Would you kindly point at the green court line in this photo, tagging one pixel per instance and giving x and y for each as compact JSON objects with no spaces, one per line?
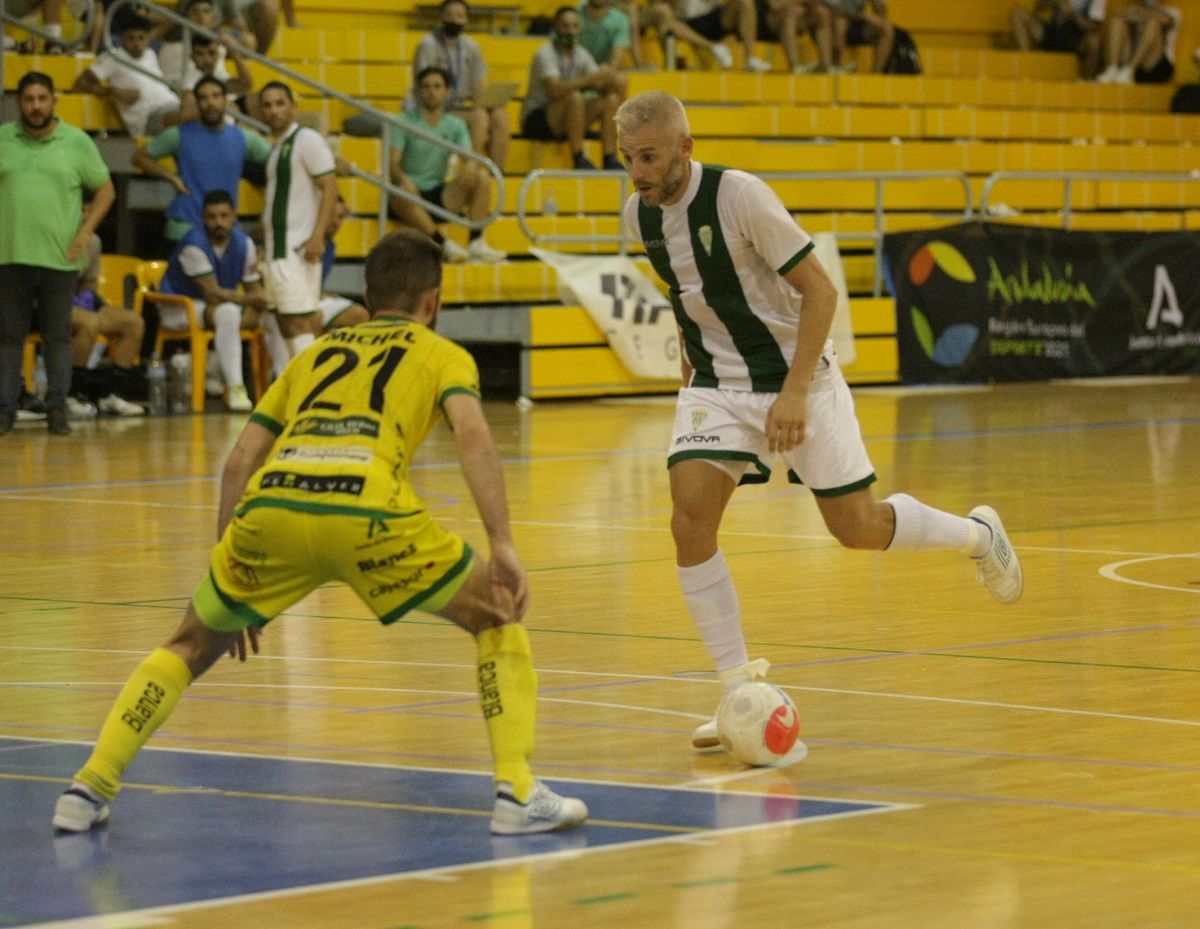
{"x":605,"y":898}
{"x":800,"y":869}
{"x":707,"y":882}
{"x":498,"y":914}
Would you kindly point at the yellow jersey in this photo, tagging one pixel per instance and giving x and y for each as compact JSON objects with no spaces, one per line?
{"x":350,"y":412}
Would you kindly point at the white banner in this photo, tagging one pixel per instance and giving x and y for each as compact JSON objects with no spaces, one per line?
{"x":634,"y":316}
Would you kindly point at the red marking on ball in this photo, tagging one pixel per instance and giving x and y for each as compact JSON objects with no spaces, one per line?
{"x":782,"y":729}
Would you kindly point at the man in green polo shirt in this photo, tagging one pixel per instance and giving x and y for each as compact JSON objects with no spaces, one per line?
{"x":45,"y":165}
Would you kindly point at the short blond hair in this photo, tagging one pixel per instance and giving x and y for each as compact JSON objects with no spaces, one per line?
{"x":653,"y":107}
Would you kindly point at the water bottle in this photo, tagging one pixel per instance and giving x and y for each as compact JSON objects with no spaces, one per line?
{"x":39,"y":378}
{"x":179,"y":383}
{"x":156,"y":381}
{"x":671,"y":51}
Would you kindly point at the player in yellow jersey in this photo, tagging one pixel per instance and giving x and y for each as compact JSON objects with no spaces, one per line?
{"x":316,"y":489}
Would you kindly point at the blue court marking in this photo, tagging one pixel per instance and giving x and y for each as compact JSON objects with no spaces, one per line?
{"x":193,"y":827}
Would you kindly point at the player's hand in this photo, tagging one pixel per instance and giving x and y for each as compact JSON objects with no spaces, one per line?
{"x":787,"y":419}
{"x":237,"y":648}
{"x":510,"y":586}
{"x":314,"y":249}
{"x":78,"y":246}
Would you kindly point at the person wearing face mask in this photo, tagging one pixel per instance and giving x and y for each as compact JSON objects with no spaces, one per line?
{"x":568,"y":93}
{"x":449,"y":48}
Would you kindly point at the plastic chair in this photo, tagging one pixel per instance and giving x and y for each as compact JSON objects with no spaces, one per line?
{"x":198,"y":336}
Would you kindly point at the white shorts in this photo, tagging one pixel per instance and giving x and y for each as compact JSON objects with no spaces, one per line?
{"x":727,"y":428}
{"x":332,"y":307}
{"x":293,"y":284}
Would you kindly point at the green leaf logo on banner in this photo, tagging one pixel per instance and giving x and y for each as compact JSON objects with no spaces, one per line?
{"x":923,"y":330}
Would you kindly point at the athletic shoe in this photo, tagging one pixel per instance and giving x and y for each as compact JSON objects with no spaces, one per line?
{"x":1108,"y":75}
{"x":119,"y":406}
{"x":544,"y":811}
{"x":754,"y":63}
{"x":29,"y":416}
{"x":998,"y":569}
{"x":812,"y":67}
{"x":1124,"y":75}
{"x":723,"y":55}
{"x":705,"y":735}
{"x":56,"y":422}
{"x":80,"y":409}
{"x":214,"y":386}
{"x":238,"y":400}
{"x":612,"y":163}
{"x":7,"y":418}
{"x":453,"y":252}
{"x":584,"y":163}
{"x":79,"y":809}
{"x":479,"y":251}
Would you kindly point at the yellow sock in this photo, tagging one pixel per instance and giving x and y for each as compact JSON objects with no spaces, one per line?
{"x":508,"y":696}
{"x":147,"y":699}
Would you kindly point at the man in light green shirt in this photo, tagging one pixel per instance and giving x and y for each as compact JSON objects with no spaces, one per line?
{"x":424,"y":167}
{"x":45,"y":166}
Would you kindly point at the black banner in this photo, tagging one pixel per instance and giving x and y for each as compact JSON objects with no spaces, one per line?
{"x":984,"y":302}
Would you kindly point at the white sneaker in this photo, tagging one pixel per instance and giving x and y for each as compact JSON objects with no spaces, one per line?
{"x":998,"y":569}
{"x":79,"y":809}
{"x":811,"y":67}
{"x":1108,"y":75}
{"x":238,"y":400}
{"x":119,"y":406}
{"x":80,"y":409}
{"x":1124,"y":75}
{"x":479,"y":251}
{"x":756,"y":64}
{"x":544,"y":811}
{"x":214,"y":380}
{"x":705,"y":735}
{"x":453,"y":252}
{"x":723,"y":55}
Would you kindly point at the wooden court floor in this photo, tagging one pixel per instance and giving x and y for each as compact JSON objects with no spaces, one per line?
{"x":1019,"y":767}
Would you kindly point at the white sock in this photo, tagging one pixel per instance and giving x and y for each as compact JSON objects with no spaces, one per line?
{"x":55,"y":29}
{"x":921,"y":528}
{"x":227,"y":339}
{"x":277,"y":348}
{"x":298,"y":343}
{"x":712,"y":600}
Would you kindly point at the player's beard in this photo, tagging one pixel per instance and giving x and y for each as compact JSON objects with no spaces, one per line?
{"x":672,"y":180}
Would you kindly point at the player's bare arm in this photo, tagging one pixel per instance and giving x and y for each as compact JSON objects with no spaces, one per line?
{"x":248,"y":455}
{"x":314,"y":248}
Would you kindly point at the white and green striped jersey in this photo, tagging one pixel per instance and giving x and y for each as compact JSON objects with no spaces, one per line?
{"x":722,"y":250}
{"x":293,"y":200}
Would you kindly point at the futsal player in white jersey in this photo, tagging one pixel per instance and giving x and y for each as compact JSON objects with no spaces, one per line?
{"x":300,"y":200}
{"x":754,"y":307}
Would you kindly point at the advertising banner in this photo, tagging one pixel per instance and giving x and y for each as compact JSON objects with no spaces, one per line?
{"x":982,"y":302}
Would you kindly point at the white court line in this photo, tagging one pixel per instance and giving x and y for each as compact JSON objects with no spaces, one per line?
{"x":1112,"y":572}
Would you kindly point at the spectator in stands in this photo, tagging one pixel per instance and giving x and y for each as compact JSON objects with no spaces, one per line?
{"x":605,"y":32}
{"x":704,"y":23}
{"x":130,"y":76}
{"x":112,"y":387}
{"x":862,"y":22}
{"x":208,"y":56}
{"x":253,"y":22}
{"x":209,"y":155}
{"x":460,"y":56}
{"x":206,"y":62}
{"x":44,"y":236}
{"x":784,"y":20}
{"x":432,"y":171}
{"x":568,"y":92}
{"x":301,"y":194}
{"x":208,"y":266}
{"x":51,"y":17}
{"x":1139,"y":44}
{"x":1062,"y":26}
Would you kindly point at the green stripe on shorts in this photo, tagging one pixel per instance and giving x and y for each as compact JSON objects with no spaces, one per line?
{"x":439,"y":594}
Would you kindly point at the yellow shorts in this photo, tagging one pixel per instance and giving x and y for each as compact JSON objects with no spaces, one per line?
{"x":274,"y":552}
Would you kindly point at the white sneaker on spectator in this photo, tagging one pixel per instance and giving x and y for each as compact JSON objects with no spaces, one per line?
{"x":119,"y":406}
{"x":453,"y":252}
{"x":811,"y":67}
{"x":756,"y":64}
{"x":80,"y":409}
{"x":1124,"y":75}
{"x":723,"y":55}
{"x":479,"y":251}
{"x":238,"y":400}
{"x":1108,"y":75}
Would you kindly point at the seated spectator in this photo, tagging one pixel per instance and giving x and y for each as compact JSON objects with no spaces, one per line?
{"x":208,"y":266}
{"x":205,"y":62}
{"x":704,"y":23}
{"x":855,"y":24}
{"x":605,"y":32}
{"x":144,"y":101}
{"x":460,"y":57}
{"x":783,"y":21}
{"x":1139,"y":44}
{"x":568,"y":93}
{"x":430,"y":170}
{"x":1062,"y":26}
{"x":252,"y":22}
{"x":207,"y":56}
{"x":209,"y":154}
{"x":51,"y":11}
{"x":114,"y":387}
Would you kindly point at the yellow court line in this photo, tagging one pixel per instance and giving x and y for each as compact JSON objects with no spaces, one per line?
{"x":334,"y":801}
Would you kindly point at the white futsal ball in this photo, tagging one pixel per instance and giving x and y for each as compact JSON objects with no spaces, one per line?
{"x":758,"y":723}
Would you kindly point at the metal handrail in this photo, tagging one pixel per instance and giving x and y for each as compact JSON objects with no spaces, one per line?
{"x":68,"y":44}
{"x":623,"y":238}
{"x":388,"y":119}
{"x":1068,"y":177}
